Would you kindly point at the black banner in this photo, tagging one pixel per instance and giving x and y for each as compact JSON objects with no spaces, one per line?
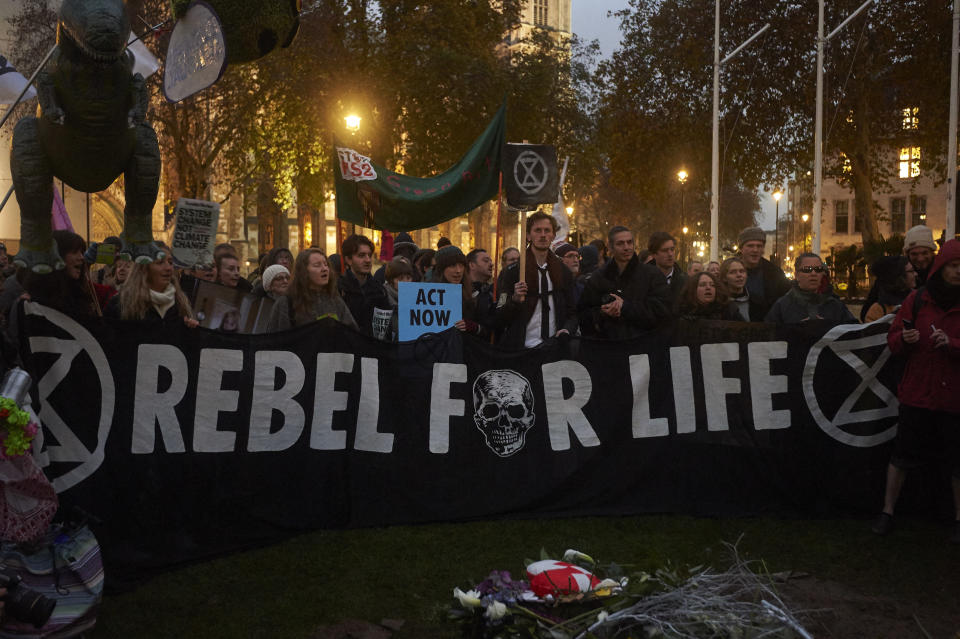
{"x":187,"y":443}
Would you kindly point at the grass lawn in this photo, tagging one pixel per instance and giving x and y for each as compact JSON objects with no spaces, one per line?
{"x":409,"y":572}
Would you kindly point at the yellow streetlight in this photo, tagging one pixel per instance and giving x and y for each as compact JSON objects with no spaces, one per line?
{"x":776,"y":223}
{"x":682,"y":177}
{"x":570,"y":210}
{"x":353,"y":122}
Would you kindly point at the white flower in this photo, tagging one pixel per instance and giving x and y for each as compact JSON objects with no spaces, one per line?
{"x":496,"y":610}
{"x":469,"y":599}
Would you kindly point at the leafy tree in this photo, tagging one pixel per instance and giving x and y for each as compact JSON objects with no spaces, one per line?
{"x":657,"y":103}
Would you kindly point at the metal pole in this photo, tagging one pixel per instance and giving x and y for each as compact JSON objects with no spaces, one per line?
{"x":818,"y":130}
{"x":33,"y":77}
{"x":776,"y":233}
{"x":715,"y":154}
{"x":952,"y":134}
{"x":818,"y":138}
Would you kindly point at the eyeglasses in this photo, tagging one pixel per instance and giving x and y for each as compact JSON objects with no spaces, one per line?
{"x":812,"y":269}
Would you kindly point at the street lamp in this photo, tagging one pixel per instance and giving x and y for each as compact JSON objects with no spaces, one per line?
{"x":353,"y":122}
{"x":570,"y":216}
{"x":805,"y":218}
{"x":682,"y":178}
{"x":776,"y":224}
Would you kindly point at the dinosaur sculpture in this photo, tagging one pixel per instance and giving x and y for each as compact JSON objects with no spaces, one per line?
{"x":90,"y":129}
{"x":252,"y":29}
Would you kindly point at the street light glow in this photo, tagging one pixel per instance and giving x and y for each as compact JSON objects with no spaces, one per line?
{"x":777,"y":195}
{"x":804,"y":217}
{"x":353,"y":122}
{"x":682,"y":176}
{"x":570,"y":210}
{"x":685,"y":229}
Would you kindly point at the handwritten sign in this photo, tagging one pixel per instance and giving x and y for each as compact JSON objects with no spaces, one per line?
{"x":354,"y":166}
{"x":195,"y":233}
{"x":426,"y":307}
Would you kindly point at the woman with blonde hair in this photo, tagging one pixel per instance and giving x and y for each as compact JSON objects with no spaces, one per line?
{"x":152,"y":293}
{"x":312,"y":295}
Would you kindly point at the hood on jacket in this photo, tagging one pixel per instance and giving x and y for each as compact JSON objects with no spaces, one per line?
{"x":948,"y":252}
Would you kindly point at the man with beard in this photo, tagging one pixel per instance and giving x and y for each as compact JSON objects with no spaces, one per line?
{"x":538,"y":306}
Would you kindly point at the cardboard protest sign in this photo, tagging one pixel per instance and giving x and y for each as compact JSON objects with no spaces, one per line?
{"x":230,"y":310}
{"x":427,"y":307}
{"x":195,"y":233}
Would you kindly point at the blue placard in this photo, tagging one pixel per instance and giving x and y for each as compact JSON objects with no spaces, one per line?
{"x":425,"y":307}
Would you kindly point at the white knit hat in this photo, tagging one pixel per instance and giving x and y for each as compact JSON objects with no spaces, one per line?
{"x":919,"y":236}
{"x":271,"y":272}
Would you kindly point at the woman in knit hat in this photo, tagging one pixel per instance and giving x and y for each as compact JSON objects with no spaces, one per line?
{"x":919,"y":247}
{"x":896,"y":277}
{"x":451,"y":268}
{"x":275,"y":281}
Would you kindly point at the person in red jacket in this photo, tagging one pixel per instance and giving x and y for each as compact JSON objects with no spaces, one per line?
{"x":926,"y":331}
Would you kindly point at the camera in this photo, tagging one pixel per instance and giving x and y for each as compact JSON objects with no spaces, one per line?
{"x":21,"y":602}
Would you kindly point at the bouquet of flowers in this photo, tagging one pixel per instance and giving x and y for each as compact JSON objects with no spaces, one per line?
{"x":559,"y":599}
{"x":28,"y":501}
{"x":16,"y":429}
{"x":563,"y":600}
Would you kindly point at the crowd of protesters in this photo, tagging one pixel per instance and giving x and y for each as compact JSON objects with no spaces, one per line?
{"x":558,"y":291}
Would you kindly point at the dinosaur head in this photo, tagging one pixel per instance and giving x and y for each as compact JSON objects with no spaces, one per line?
{"x":98,"y":28}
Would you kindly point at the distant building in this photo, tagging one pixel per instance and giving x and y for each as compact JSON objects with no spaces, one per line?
{"x":913,"y":198}
{"x":552,"y":15}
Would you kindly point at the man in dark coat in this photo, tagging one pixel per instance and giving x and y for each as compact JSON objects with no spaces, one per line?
{"x":624,"y":298}
{"x":766,"y":283}
{"x":541,"y":305}
{"x":357,"y":287}
{"x":663,"y":248}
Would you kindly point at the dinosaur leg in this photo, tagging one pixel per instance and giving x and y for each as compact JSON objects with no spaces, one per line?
{"x":33,"y":183}
{"x":142,"y":183}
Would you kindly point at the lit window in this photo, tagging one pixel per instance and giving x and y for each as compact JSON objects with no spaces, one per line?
{"x":910,"y":162}
{"x":540,"y":13}
{"x":909,"y":118}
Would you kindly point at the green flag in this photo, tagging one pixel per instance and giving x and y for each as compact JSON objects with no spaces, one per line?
{"x":377,"y":198}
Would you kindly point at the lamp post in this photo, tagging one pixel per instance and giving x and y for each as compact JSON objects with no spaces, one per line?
{"x":352,"y":122}
{"x":805,"y":218}
{"x":776,"y":226}
{"x":682,"y":178}
{"x":570,"y":217}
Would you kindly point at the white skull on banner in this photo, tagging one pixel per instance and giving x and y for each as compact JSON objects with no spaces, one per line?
{"x":503,"y":404}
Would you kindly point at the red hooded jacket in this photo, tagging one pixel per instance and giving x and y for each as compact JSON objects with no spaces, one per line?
{"x":931,"y":378}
